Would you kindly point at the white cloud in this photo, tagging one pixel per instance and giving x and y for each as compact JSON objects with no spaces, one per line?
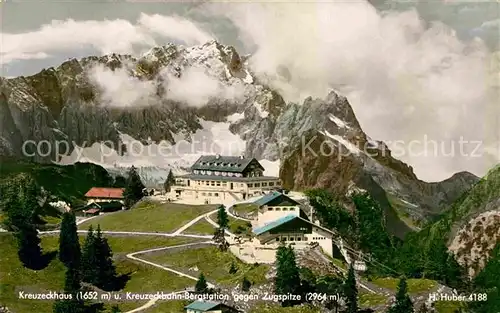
{"x":118,"y":36}
{"x":405,"y":79}
{"x":493,"y":24}
{"x":195,"y":87}
{"x":119,"y":89}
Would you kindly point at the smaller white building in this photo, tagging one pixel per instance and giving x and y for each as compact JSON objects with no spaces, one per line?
{"x":281,"y":219}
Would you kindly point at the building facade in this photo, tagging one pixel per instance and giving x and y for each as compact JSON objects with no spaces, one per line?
{"x":281,"y":220}
{"x":98,"y":194}
{"x":218,"y":178}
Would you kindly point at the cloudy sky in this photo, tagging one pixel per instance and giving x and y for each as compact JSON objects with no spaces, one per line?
{"x":412,"y":70}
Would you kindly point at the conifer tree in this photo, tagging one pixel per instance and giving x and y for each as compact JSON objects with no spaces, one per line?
{"x":69,"y":244}
{"x":222,"y":218}
{"x":351,"y":291}
{"x":403,"y":302}
{"x":220,"y":239}
{"x":21,"y":206}
{"x":169,"y":182}
{"x":106,"y":270}
{"x":201,"y":285}
{"x":134,"y":189}
{"x":71,"y":287}
{"x":89,"y":261}
{"x":233,"y":269}
{"x":287,"y":273}
{"x":246,"y":284}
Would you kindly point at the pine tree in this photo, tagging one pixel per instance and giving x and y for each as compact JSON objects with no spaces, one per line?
{"x":351,"y":291}
{"x":201,"y":285}
{"x":69,"y":244}
{"x":403,"y":302}
{"x":245,"y":284}
{"x":233,"y":269}
{"x":106,"y":270}
{"x":89,"y":261}
{"x":220,"y":239}
{"x":134,"y":189}
{"x":169,"y":181}
{"x":21,"y":207}
{"x":222,"y":218}
{"x":71,"y":287}
{"x":287,"y":273}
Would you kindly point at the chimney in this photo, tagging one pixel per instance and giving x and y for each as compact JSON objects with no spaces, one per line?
{"x":241,"y":156}
{"x":217,"y":156}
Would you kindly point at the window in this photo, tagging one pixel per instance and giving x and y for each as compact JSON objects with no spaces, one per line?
{"x":250,"y":185}
{"x":269,"y":209}
{"x":292,"y":238}
{"x":212,"y":183}
{"x":299,"y":239}
{"x":209,"y":194}
{"x":305,"y":238}
{"x":218,"y":183}
{"x":203,"y":194}
{"x":277,"y":238}
{"x":207,"y":183}
{"x":284,"y":239}
{"x":264,"y":184}
{"x":285,"y":209}
{"x":257,"y":184}
{"x":216,"y":194}
{"x":278,"y":209}
{"x":271,"y":184}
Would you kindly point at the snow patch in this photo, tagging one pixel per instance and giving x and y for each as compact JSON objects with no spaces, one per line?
{"x":352,"y":148}
{"x":233,"y":118}
{"x":271,"y":168}
{"x":262,"y":113}
{"x":338,"y":121}
{"x":409,"y":203}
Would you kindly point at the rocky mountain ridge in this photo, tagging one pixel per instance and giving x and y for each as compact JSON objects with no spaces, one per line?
{"x":66,"y":103}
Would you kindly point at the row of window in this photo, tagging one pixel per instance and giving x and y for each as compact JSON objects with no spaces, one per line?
{"x":220,"y":164}
{"x":291,"y":238}
{"x":217,"y":173}
{"x":209,"y":194}
{"x":270,"y":184}
{"x":280,"y":209}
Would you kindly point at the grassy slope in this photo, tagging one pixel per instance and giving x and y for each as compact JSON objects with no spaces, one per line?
{"x":213,"y":263}
{"x":14,"y":278}
{"x":150,"y":217}
{"x":414,"y":285}
{"x":201,"y":227}
{"x":144,"y":278}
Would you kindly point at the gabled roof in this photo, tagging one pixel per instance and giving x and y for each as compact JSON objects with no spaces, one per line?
{"x":223,"y":163}
{"x":110,"y":193}
{"x":286,"y":219}
{"x":202,"y":305}
{"x":274,"y":224}
{"x":273,"y":196}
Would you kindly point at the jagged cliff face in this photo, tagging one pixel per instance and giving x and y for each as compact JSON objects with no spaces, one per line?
{"x":64,"y":103}
{"x":475,"y":223}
